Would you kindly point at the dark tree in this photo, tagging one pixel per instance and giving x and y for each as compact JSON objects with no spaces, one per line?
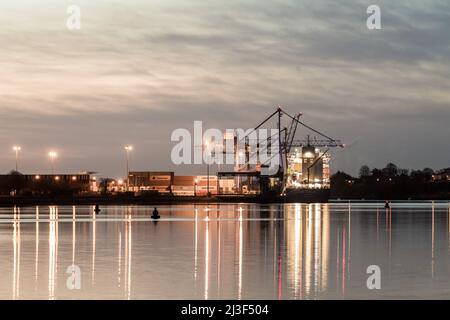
{"x":391,"y":170}
{"x":364,"y":171}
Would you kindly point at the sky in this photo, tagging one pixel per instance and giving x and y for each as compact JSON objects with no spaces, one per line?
{"x":137,"y":70}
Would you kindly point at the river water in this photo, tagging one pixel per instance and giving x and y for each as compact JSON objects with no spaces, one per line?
{"x":226,"y":251}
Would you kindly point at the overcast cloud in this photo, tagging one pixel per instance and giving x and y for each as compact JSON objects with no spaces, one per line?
{"x":139,"y":69}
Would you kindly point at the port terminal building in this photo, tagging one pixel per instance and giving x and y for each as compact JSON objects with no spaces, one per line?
{"x":166,"y":182}
{"x":45,"y":183}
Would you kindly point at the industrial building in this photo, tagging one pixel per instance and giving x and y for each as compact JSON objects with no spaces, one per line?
{"x":166,"y":182}
{"x":16,"y":183}
{"x":160,"y":181}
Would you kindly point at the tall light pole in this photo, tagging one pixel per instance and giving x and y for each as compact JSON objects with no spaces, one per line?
{"x":206,"y":146}
{"x":240,"y":154}
{"x":52,"y":155}
{"x":17,"y":149}
{"x":128,"y":148}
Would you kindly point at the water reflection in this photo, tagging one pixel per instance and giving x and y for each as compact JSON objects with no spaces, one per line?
{"x":36,"y":255}
{"x":432,"y":240}
{"x":16,"y":243}
{"x":298,"y":251}
{"x":52,"y":251}
{"x":206,"y":257}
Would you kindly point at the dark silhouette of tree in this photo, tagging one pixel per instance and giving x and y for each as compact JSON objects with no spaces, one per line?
{"x":391,"y":170}
{"x":364,"y":171}
{"x":390,"y":183}
{"x":377,"y":173}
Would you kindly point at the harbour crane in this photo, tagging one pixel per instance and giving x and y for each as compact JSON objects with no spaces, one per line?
{"x":286,"y":141}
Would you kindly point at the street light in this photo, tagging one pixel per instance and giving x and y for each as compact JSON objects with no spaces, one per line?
{"x":128,"y":148}
{"x":238,"y":157}
{"x":17,"y":149}
{"x":206,"y":146}
{"x":52,"y":155}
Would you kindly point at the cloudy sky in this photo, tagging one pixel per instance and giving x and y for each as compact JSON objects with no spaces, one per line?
{"x":139,"y":69}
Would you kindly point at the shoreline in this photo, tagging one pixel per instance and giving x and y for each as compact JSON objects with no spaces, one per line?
{"x":9,"y":201}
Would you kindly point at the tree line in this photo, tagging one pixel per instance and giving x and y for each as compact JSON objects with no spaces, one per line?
{"x":392,"y":182}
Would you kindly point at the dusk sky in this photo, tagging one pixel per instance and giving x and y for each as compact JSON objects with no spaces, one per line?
{"x":137,"y":70}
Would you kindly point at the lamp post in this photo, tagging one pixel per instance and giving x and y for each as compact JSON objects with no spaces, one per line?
{"x":207,"y":180}
{"x":17,"y":149}
{"x":128,"y":148}
{"x":206,"y":145}
{"x":240,"y":154}
{"x":52,"y":155}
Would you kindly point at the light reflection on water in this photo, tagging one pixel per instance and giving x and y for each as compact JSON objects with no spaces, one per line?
{"x":226,"y":251}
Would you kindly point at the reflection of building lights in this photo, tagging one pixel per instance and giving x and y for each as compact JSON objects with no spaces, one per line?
{"x":57,"y":178}
{"x":207,"y":261}
{"x":37,"y":177}
{"x":297,"y":251}
{"x":74,"y":178}
{"x":240,"y":257}
{"x":196,"y":245}
{"x":308,"y":246}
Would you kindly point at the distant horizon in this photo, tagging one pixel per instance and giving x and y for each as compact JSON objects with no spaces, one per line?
{"x":213,"y":171}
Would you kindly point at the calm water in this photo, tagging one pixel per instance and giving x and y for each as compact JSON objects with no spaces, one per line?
{"x":226,"y":251}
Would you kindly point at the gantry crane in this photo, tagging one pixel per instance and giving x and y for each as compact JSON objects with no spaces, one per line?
{"x":287,"y":141}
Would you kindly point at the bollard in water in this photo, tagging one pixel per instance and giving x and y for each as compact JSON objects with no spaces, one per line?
{"x":97,"y":209}
{"x":387,"y":205}
{"x":155,"y":214}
